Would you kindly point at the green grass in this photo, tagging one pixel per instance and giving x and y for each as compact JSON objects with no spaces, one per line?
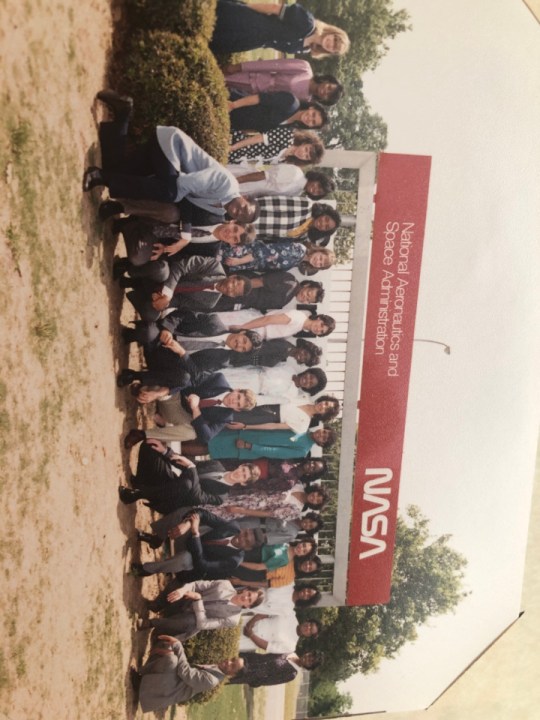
{"x":229,"y":704}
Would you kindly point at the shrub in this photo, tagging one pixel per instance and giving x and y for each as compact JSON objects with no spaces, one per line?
{"x":176,"y":81}
{"x":211,"y":646}
{"x":185,"y":17}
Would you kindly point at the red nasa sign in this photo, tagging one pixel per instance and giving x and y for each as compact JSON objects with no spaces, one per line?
{"x":398,"y":235}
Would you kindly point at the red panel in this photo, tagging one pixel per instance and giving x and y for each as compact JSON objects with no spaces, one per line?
{"x":398,"y":235}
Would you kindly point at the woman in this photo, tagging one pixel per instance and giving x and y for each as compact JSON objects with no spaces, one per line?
{"x":282,"y":505}
{"x":277,"y":323}
{"x":283,"y":474}
{"x":305,"y":567}
{"x":281,"y":216}
{"x":297,"y":416}
{"x":282,"y":179}
{"x":278,"y":385}
{"x":264,"y":111}
{"x":262,"y":573}
{"x":281,"y":144}
{"x":263,"y":257}
{"x":285,"y":75}
{"x":288,"y":28}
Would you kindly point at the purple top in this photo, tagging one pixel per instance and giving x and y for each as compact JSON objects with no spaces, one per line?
{"x":273,"y":76}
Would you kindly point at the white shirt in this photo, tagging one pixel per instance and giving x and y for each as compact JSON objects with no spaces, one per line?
{"x":277,"y":601}
{"x":283,"y":179}
{"x":297,"y":318}
{"x":272,"y":385}
{"x":279,"y":631}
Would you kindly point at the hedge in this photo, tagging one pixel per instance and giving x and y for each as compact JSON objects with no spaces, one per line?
{"x":211,"y":646}
{"x":185,"y":17}
{"x":176,"y":81}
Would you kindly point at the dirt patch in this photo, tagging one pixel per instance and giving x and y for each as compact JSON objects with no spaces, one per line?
{"x":68,"y":608}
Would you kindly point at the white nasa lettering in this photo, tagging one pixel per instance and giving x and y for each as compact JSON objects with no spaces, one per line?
{"x":374,"y":520}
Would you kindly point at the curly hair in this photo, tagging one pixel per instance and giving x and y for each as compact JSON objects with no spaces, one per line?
{"x":320,"y":491}
{"x":307,"y":137}
{"x":322,"y":29}
{"x":314,"y":350}
{"x":327,"y":184}
{"x":316,"y":105}
{"x":336,"y":93}
{"x":320,"y":375}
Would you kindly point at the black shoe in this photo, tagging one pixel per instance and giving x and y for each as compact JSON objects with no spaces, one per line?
{"x":92,"y":178}
{"x":110,"y":208}
{"x":128,"y":496}
{"x":120,"y":267}
{"x":119,"y":224}
{"x":120,"y":105}
{"x":133,"y":437}
{"x":129,"y":335}
{"x":126,"y":377}
{"x":138,"y":570}
{"x":154,"y":541}
{"x":127,"y":283}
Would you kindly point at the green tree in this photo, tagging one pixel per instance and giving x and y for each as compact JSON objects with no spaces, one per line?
{"x":354,"y":126}
{"x":327,"y":700}
{"x":427,"y":581}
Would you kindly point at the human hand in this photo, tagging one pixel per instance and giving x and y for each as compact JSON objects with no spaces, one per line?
{"x":193,"y":401}
{"x":192,"y":595}
{"x":243,"y":444}
{"x":165,"y":336}
{"x":195,"y":521}
{"x":147,"y":395}
{"x":157,"y":251}
{"x":179,"y":530}
{"x":157,"y":445}
{"x":175,"y":595}
{"x":160,"y":301}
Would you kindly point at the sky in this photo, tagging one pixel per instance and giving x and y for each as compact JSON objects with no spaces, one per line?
{"x":463,"y":86}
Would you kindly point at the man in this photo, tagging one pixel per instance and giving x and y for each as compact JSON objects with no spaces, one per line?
{"x":194,"y":283}
{"x":165,"y":357}
{"x":275,"y":633}
{"x":169,"y":481}
{"x":272,"y":668}
{"x":149,"y":243}
{"x":214,"y":556}
{"x":201,"y":605}
{"x":168,"y":168}
{"x":210,"y":406}
{"x":272,"y":291}
{"x":167,"y":678}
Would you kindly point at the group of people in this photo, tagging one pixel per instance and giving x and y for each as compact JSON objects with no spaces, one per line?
{"x":228,"y":327}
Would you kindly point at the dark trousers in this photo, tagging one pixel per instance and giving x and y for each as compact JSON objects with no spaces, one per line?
{"x":140,"y":173}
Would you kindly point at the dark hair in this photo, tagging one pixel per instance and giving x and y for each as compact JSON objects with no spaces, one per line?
{"x":299,"y":560}
{"x":321,"y":380}
{"x":245,"y":280}
{"x":316,"y":474}
{"x":252,"y":335}
{"x":321,"y":491}
{"x":332,"y":437}
{"x":318,"y":658}
{"x":336,"y":93}
{"x":307,"y":539}
{"x":314,"y":350}
{"x":331,"y":413}
{"x":326,"y":183}
{"x":316,"y":518}
{"x":259,"y":537}
{"x":317,"y":210}
{"x":328,"y":321}
{"x":318,"y":624}
{"x":312,"y":600}
{"x":316,"y":105}
{"x":318,"y":286}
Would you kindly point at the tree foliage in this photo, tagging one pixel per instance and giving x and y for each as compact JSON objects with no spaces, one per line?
{"x":426,"y":581}
{"x":327,"y":700}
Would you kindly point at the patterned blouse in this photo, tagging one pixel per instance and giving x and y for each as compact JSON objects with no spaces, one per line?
{"x":275,"y":141}
{"x":281,"y":505}
{"x":272,"y":256}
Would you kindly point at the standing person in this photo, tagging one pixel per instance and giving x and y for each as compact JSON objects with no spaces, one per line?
{"x":296,"y":218}
{"x":264,"y":111}
{"x":282,"y":179}
{"x":278,"y":323}
{"x":272,"y":444}
{"x":288,"y":28}
{"x":280,"y":145}
{"x":284,"y":74}
{"x":261,"y":669}
{"x":167,"y":678}
{"x":264,"y":256}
